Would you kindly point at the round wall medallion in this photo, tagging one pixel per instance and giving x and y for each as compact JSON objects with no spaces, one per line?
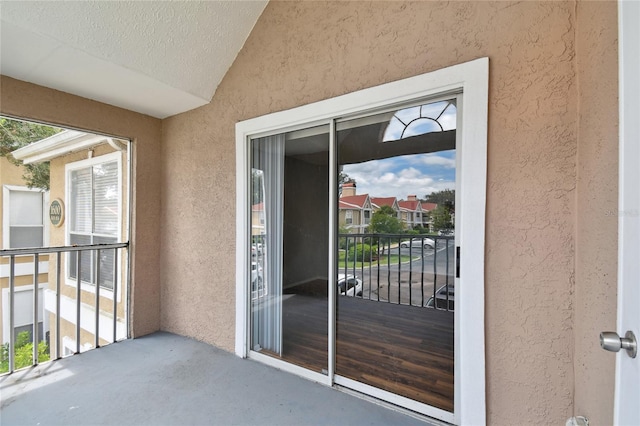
{"x":56,"y":212}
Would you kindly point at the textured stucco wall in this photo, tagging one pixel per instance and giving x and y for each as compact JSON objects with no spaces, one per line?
{"x":597,"y":204}
{"x":301,"y":52}
{"x":26,"y":100}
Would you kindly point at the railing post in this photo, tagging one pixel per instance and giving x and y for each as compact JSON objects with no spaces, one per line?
{"x":78,"y":297}
{"x":400,"y":266}
{"x":58,"y":266}
{"x":12,"y":302}
{"x":435,"y":243}
{"x":97,"y":303}
{"x":446,"y":274}
{"x":36,"y":272}
{"x":378,"y":271}
{"x":410,"y":267}
{"x":389,"y":271}
{"x":435,"y":279}
{"x":115,"y":294}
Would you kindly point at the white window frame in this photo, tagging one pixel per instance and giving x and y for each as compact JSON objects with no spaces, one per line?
{"x":348,"y":217}
{"x":83,"y":164}
{"x":42,"y":287}
{"x":6,"y":212}
{"x":472,"y":80}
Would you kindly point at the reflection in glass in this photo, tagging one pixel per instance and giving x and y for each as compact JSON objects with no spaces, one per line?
{"x":419,"y":120}
{"x":395,"y":302}
{"x":289,"y":248}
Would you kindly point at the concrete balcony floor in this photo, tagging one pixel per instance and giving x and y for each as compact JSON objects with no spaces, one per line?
{"x":165,"y":379}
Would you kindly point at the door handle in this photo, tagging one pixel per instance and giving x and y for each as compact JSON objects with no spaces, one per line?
{"x":610,"y":341}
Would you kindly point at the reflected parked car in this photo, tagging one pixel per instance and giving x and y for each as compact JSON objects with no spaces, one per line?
{"x":349,"y":285}
{"x":441,"y":298}
{"x":256,"y":276}
{"x":446,"y":232}
{"x":419,"y":242}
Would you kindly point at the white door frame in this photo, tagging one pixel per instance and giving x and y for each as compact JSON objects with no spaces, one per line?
{"x":470,"y":78}
{"x":627,"y":388}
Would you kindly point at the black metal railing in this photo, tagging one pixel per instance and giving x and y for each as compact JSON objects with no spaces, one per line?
{"x":104,"y":261}
{"x":415,"y":270}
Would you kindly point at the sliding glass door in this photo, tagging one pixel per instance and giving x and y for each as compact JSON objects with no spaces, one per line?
{"x":289,"y":247}
{"x":395,"y":329}
{"x":394,"y":217}
{"x":352,"y":213}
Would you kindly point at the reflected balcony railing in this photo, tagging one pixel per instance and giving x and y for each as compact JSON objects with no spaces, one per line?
{"x":414,"y":270}
{"x":89,"y":312}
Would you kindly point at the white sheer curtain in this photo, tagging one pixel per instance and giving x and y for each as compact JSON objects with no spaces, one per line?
{"x":268,"y":156}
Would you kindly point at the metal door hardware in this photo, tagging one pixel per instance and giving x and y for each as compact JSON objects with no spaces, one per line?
{"x":610,"y":341}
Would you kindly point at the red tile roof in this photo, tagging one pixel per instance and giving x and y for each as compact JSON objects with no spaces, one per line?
{"x":353,"y":200}
{"x":409,"y":205}
{"x":383,"y":201}
{"x":429,"y":206}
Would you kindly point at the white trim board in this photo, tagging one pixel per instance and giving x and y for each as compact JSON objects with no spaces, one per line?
{"x":24,"y":269}
{"x":68,"y":313}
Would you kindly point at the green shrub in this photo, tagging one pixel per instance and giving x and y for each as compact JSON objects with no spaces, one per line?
{"x":23,"y":350}
{"x":361,"y":253}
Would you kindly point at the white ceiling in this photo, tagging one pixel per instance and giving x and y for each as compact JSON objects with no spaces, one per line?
{"x":158,"y":58}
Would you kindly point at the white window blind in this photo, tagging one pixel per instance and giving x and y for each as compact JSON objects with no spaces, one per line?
{"x":94,"y":213}
{"x":105,"y":181}
{"x":81,"y":200}
{"x":26,"y":228}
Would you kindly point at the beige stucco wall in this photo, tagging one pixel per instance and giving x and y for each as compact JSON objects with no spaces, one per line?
{"x":301,"y":52}
{"x":25,"y":100}
{"x":550,"y":285}
{"x":596,"y":209}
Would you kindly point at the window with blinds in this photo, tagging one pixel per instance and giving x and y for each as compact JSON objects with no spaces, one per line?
{"x":26,"y":225}
{"x":94,"y":218}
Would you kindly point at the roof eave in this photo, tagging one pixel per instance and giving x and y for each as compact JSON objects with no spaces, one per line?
{"x":60,"y":144}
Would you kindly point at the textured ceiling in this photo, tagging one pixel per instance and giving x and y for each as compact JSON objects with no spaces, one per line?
{"x":159,"y":58}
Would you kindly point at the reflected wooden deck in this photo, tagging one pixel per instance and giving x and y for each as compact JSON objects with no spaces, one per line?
{"x":402,"y":349}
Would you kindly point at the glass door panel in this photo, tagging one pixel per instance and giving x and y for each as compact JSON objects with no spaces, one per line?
{"x":289,"y":246}
{"x":395,"y":283}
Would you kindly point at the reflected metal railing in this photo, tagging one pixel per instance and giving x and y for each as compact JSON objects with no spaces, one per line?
{"x":405,"y":269}
{"x":98,"y":252}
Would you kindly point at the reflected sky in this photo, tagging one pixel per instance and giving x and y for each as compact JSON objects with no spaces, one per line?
{"x":418,"y":174}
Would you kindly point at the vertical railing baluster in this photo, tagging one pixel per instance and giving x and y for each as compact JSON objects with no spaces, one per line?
{"x":446,"y":274}
{"x":422,"y":275}
{"x":12,"y":306}
{"x":36,"y":272}
{"x":115,"y":294}
{"x":378,"y":272}
{"x":58,"y":265}
{"x":78,"y":296}
{"x":364,"y":256}
{"x":389,"y":272}
{"x":435,"y":279}
{"x":400,"y":267}
{"x":410,"y":268}
{"x":346,"y":261}
{"x":96,"y":343}
{"x":355,"y":261}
